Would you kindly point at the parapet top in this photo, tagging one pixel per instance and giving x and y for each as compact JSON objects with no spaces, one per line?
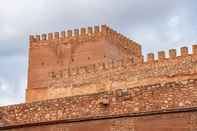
{"x":184,"y":52}
{"x":100,"y":31}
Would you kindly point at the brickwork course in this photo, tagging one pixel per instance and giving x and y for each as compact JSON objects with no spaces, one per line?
{"x":97,"y":79}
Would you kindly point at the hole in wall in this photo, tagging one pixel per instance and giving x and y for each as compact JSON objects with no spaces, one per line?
{"x":42,"y":63}
{"x":53,"y":75}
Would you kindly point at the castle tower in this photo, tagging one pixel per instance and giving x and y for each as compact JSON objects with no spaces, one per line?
{"x":58,"y":59}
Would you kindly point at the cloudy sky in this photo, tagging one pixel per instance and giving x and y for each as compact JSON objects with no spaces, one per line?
{"x":156,"y":24}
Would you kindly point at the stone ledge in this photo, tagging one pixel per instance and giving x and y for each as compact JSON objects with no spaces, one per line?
{"x":139,"y":114}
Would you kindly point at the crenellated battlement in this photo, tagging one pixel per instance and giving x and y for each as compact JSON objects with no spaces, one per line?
{"x":87,"y":34}
{"x":90,"y":31}
{"x":172,"y":55}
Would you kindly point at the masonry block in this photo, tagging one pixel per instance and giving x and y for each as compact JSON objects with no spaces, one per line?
{"x":194,"y":49}
{"x":161,"y":55}
{"x":63,"y":34}
{"x":172,"y":53}
{"x":96,"y":29}
{"x":44,"y":36}
{"x":139,"y":60}
{"x":69,"y":33}
{"x":83,"y":31}
{"x":104,"y":29}
{"x":184,"y":51}
{"x":76,"y":32}
{"x":31,"y":38}
{"x":50,"y":36}
{"x":150,"y":58}
{"x":56,"y":34}
{"x":38,"y":37}
{"x":90,"y":30}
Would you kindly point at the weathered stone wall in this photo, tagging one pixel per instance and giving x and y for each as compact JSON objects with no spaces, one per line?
{"x":51,"y":53}
{"x":107,"y":76}
{"x":162,"y":122}
{"x":157,"y":97}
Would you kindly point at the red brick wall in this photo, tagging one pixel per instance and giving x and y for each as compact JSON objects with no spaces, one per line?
{"x":49,"y":54}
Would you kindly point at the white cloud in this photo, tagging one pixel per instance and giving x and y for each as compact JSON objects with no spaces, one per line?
{"x":7,"y":32}
{"x":13,"y":74}
{"x":12,"y":92}
{"x":174,"y":21}
{"x":3,"y":85}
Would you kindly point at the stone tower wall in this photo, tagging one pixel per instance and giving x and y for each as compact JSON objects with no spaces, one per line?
{"x":73,"y":49}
